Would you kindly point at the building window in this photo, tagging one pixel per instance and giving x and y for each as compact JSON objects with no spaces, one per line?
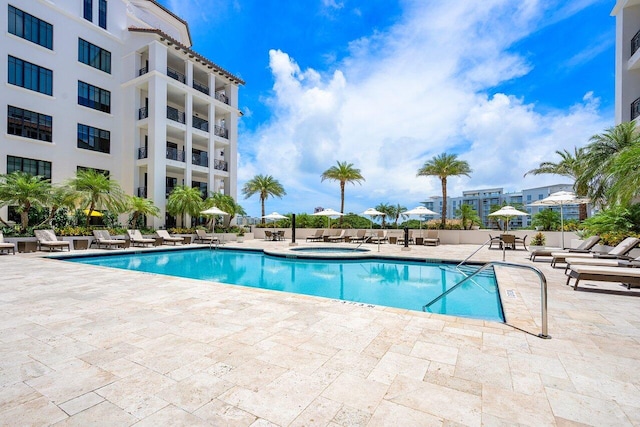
{"x":94,"y":56}
{"x":29,"y":124}
{"x":102,"y":13}
{"x":102,"y":171}
{"x":30,"y":28}
{"x":88,"y":10}
{"x":202,"y":186}
{"x":30,"y":76}
{"x":94,"y":97}
{"x":30,"y":166}
{"x":90,"y":138}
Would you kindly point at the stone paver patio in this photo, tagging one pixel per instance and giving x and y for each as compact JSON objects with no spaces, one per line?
{"x":83,"y":345}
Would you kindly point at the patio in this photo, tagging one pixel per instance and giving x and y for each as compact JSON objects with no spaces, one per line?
{"x":82,"y":344}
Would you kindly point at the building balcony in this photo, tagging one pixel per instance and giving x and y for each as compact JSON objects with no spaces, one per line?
{"x":201,"y":88}
{"x":200,"y":159}
{"x":175,"y":154}
{"x":175,"y":115}
{"x":220,"y":165}
{"x":200,"y":124}
{"x":142,"y":153}
{"x":222,"y":97}
{"x":143,"y":70}
{"x":176,"y":75}
{"x":143,"y":113}
{"x":635,"y":109}
{"x":221,"y":131}
{"x":635,"y":43}
{"x":142,"y":192}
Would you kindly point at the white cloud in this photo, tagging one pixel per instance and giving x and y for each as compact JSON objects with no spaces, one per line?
{"x":408,"y":94}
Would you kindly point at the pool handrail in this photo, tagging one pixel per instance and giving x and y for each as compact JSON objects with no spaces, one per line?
{"x":543,"y":290}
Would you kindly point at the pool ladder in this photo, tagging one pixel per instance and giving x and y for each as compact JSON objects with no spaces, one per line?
{"x":543,"y":285}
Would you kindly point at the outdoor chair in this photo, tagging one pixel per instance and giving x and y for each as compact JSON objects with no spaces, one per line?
{"x":360,"y":237}
{"x":48,"y":239}
{"x":432,"y":238}
{"x":630,"y":277}
{"x":622,"y":249}
{"x":522,"y":241}
{"x":135,"y":237}
{"x":338,"y":238}
{"x":166,"y":237}
{"x":203,"y":237}
{"x":317,"y":237}
{"x":268,"y":235}
{"x":602,"y":262}
{"x":410,"y":240}
{"x":507,"y":241}
{"x":493,"y":240}
{"x":103,"y":238}
{"x":379,"y":237}
{"x":8,"y":247}
{"x":584,"y":247}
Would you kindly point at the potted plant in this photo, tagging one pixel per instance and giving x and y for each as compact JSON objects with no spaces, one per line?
{"x":539,"y":239}
{"x":240,"y":235}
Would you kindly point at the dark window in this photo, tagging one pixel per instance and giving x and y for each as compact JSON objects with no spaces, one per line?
{"x":30,"y":28}
{"x":29,"y":124}
{"x":94,"y":56}
{"x":102,"y":171}
{"x":30,"y":166}
{"x":202,"y":186}
{"x":30,"y":76}
{"x":94,"y":97}
{"x":88,"y":10}
{"x":95,"y":139}
{"x":102,"y":13}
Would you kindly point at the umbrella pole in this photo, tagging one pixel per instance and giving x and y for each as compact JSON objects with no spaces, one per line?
{"x":562,"y":225}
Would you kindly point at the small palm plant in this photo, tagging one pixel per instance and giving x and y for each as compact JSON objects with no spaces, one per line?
{"x":538,"y":240}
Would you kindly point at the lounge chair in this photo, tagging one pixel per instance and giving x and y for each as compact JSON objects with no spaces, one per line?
{"x":8,"y":247}
{"x":203,"y":237}
{"x":166,"y":237}
{"x":379,"y":237}
{"x":360,"y":237}
{"x":584,"y":247}
{"x":602,"y":262}
{"x":411,"y":238}
{"x":317,"y":237}
{"x":136,"y":238}
{"x":103,"y":238}
{"x":338,"y":238}
{"x":432,"y":238}
{"x":622,"y":249}
{"x":628,"y":276}
{"x":48,"y":239}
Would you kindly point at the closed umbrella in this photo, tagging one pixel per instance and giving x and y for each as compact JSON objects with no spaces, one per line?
{"x":329,"y":213}
{"x":420,"y":212}
{"x":561,"y":198}
{"x":508,"y":212}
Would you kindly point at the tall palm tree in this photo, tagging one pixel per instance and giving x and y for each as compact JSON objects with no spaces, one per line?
{"x":226,"y":203}
{"x":344,"y":172}
{"x":601,"y":154}
{"x":396,"y":213}
{"x":185,"y":200}
{"x":140,"y":206}
{"x":98,"y":192}
{"x":444,"y":166}
{"x":25,"y":191}
{"x":61,"y":196}
{"x":626,"y":172}
{"x":572,"y":166}
{"x":387,"y":210}
{"x":265,"y":186}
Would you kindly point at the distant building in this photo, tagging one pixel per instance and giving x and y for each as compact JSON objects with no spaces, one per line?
{"x":627,"y":60}
{"x":115,"y":86}
{"x":482,"y":200}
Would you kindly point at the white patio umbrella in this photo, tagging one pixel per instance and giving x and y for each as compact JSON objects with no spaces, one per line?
{"x":561,"y":198}
{"x":508,"y":212}
{"x":419,"y":211}
{"x":328,"y":213}
{"x":274,"y":216}
{"x":213,"y":211}
{"x":371,"y":212}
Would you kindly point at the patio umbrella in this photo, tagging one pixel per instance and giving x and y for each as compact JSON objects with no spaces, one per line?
{"x":561,"y":198}
{"x":508,"y":212}
{"x":372,"y":212}
{"x":274,"y":216}
{"x":419,"y":211}
{"x":94,"y":213}
{"x":213,"y":211}
{"x":328,"y":213}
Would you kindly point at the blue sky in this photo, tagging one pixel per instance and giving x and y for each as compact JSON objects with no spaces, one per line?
{"x":387,"y":85}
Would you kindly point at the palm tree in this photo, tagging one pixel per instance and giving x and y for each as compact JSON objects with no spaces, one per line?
{"x":61,"y":196}
{"x":265,"y":186}
{"x":140,"y":206}
{"x":185,"y":200}
{"x":226,"y":203}
{"x":572,"y":166}
{"x":387,"y":210}
{"x":444,"y":166}
{"x":25,"y":191}
{"x":468,"y":216}
{"x":99,"y":192}
{"x":626,"y":172}
{"x":600,"y":158}
{"x":344,"y":172}
{"x":396,"y":213}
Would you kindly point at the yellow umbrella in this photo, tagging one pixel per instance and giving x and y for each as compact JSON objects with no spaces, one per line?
{"x":94,"y":213}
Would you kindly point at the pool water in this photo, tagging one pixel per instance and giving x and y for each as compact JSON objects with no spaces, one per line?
{"x":385,"y":282}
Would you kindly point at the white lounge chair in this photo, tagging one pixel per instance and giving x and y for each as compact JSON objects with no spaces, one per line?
{"x":103,"y":238}
{"x":203,"y":237}
{"x":620,"y":250}
{"x":136,"y":238}
{"x":48,"y":239}
{"x":166,"y":237}
{"x":8,"y":247}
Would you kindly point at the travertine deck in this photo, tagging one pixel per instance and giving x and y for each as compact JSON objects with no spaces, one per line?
{"x":82,"y":345}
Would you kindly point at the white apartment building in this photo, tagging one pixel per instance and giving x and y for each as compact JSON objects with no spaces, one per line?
{"x":114,"y":85}
{"x":627,"y":90}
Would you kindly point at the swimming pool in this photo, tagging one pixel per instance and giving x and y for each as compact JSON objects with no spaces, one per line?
{"x":401,"y":284}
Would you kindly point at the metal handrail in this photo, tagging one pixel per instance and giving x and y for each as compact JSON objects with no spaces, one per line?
{"x":543,"y":290}
{"x":473,"y":253}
